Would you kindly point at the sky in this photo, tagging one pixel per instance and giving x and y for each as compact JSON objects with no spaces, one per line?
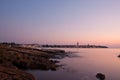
{"x":60,"y":21}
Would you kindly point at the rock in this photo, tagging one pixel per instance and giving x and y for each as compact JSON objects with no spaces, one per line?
{"x":119,"y":56}
{"x":25,"y":58}
{"x":14,"y":60}
{"x":8,"y":73}
{"x":53,"y":50}
{"x":100,"y":76}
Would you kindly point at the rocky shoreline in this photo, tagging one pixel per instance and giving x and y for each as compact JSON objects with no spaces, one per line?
{"x":7,"y":73}
{"x":14,"y":60}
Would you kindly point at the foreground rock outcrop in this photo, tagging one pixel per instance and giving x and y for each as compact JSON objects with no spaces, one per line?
{"x":14,"y":60}
{"x":7,"y":73}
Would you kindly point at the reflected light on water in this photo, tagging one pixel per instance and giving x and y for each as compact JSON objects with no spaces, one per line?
{"x":86,"y":67}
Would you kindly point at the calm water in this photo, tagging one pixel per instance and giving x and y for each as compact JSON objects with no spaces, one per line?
{"x":85,"y":65}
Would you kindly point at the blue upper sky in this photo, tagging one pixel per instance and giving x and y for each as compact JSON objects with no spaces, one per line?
{"x":60,"y":21}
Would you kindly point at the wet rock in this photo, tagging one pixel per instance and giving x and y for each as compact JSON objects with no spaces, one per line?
{"x":24,"y":58}
{"x":119,"y":56}
{"x":100,"y":76}
{"x":19,"y":59}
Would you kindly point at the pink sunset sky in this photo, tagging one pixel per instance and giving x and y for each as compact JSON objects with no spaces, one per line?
{"x":60,"y":21}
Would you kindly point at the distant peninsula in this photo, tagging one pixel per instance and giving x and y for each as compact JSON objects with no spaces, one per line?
{"x":74,"y":46}
{"x":54,"y":46}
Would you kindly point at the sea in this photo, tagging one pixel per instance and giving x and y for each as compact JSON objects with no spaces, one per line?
{"x":84,"y":64}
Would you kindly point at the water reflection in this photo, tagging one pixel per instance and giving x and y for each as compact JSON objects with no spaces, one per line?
{"x":85,"y":67}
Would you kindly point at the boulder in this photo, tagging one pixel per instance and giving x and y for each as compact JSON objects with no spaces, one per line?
{"x":100,"y":76}
{"x":119,"y":56}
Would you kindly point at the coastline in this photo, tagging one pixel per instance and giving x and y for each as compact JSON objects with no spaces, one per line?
{"x":18,"y":59}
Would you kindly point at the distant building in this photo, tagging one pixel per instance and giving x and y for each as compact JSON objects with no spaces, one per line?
{"x":77,"y":44}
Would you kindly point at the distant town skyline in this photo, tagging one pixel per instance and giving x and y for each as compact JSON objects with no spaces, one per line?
{"x":93,"y":22}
